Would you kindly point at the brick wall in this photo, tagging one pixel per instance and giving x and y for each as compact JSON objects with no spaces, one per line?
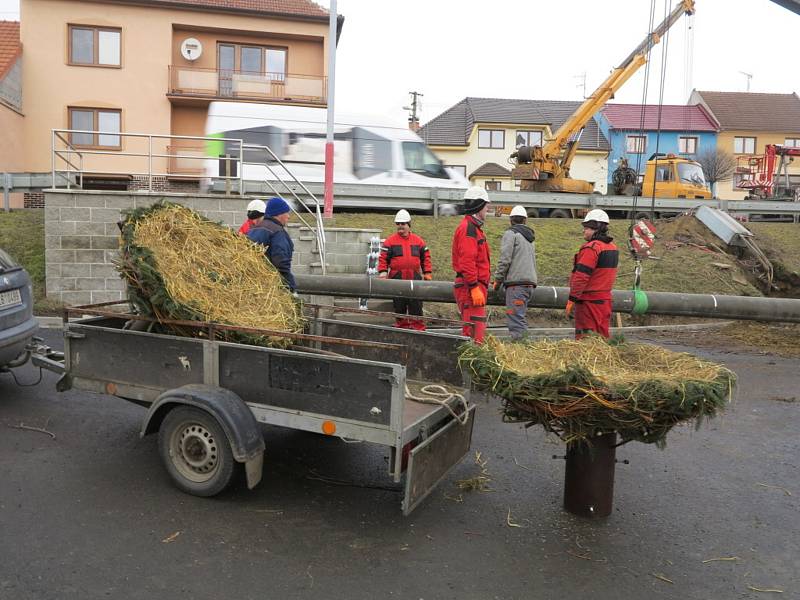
{"x":141,"y":183}
{"x":82,"y":240}
{"x":33,"y":200}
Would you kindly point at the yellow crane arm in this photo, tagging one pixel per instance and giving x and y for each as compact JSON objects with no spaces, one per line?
{"x":552,"y":148}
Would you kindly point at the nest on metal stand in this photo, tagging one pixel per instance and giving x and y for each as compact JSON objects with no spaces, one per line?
{"x":179,"y":266}
{"x":581,"y":389}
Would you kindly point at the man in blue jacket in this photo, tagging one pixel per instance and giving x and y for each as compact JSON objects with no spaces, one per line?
{"x":270,"y":232}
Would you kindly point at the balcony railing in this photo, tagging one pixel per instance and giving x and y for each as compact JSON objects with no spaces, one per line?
{"x":242,"y":85}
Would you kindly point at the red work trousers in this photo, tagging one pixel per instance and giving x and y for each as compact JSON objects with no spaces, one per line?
{"x":592,"y":316}
{"x":476,"y":315}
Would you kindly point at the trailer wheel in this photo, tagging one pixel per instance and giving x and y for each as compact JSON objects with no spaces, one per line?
{"x":196,"y":451}
{"x":559,"y":213}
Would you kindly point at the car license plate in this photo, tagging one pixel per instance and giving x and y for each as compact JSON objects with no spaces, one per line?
{"x":10,"y":298}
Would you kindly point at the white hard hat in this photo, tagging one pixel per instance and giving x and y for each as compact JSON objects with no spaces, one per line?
{"x":596,"y":215}
{"x":519,"y":211}
{"x":476,"y":192}
{"x":402,"y":216}
{"x":257,"y":206}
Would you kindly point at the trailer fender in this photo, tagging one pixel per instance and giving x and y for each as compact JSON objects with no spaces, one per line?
{"x":230,"y":411}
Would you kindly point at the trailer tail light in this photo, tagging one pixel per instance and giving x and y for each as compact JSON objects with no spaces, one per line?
{"x":328,"y":427}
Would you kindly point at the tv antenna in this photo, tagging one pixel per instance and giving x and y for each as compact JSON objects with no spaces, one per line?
{"x":582,"y":77}
{"x":414,"y":109}
{"x":749,"y":76}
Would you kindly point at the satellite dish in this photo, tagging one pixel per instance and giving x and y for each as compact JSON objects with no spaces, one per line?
{"x":191,"y":49}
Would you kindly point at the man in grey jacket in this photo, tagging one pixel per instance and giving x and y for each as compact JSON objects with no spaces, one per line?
{"x":516,"y":271}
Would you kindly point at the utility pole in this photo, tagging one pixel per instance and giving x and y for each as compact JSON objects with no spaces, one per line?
{"x":415,"y":109}
{"x":329,"y":135}
{"x":749,"y":76}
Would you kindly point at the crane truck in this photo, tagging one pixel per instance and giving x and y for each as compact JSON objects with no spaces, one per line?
{"x":546,"y":168}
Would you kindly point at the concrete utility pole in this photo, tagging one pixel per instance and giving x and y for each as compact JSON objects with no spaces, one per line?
{"x":415,"y":108}
{"x":711,"y":306}
{"x":331,"y":90}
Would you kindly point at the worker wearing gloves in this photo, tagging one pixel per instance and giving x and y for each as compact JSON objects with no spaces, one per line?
{"x":516,"y":271}
{"x":270,"y":232}
{"x":593,"y":273}
{"x":404,"y":255}
{"x":255,"y":211}
{"x":470,"y":259}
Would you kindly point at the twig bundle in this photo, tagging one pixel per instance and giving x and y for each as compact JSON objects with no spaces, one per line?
{"x":580,"y":389}
{"x":180,"y":266}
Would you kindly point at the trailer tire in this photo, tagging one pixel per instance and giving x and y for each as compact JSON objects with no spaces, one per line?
{"x":559,"y":213}
{"x":196,"y":452}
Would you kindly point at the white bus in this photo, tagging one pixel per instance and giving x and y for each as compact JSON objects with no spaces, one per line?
{"x":363,"y":152}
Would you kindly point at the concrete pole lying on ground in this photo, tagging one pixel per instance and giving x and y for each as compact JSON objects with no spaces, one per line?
{"x":710,"y":306}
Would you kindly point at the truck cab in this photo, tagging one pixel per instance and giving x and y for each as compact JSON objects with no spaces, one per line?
{"x":674,"y":177}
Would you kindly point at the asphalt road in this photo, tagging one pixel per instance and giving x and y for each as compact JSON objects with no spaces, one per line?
{"x":92,"y":514}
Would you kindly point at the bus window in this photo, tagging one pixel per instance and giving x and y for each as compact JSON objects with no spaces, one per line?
{"x":419,"y":159}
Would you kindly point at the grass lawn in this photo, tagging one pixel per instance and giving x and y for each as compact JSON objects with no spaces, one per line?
{"x":22,"y":236}
{"x":683,"y":269}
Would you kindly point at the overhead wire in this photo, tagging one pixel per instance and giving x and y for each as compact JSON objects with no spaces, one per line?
{"x":664,"y":49}
{"x":642,"y":116}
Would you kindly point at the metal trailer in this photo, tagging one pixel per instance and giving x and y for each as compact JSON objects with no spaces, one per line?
{"x":206,"y":397}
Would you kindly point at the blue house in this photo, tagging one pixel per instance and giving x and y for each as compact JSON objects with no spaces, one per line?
{"x":685,"y":131}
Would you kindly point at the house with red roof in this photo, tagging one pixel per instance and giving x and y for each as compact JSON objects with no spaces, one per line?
{"x":109,"y":67}
{"x":636,"y":132}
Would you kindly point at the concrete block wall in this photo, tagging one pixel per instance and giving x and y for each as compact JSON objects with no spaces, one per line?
{"x":82,"y":240}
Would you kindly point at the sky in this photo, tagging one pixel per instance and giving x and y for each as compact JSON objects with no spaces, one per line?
{"x":450,"y":49}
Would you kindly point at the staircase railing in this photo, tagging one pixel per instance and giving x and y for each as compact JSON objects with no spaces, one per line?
{"x":271,"y":157}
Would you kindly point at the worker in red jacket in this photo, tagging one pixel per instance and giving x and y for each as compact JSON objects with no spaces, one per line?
{"x":593,"y":273}
{"x":470,"y":255}
{"x":404,"y":255}
{"x":255,"y":211}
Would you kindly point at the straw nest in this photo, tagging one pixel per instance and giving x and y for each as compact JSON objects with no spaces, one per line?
{"x":580,"y":389}
{"x":180,"y":266}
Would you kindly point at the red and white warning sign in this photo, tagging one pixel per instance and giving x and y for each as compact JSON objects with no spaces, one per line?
{"x":643,"y":236}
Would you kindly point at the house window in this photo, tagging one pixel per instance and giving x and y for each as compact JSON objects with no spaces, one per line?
{"x":95,"y":120}
{"x":687,"y":145}
{"x":792,"y":142}
{"x":635,"y":144}
{"x":528,"y":138}
{"x":254,"y":60}
{"x":744,"y":145}
{"x":460,"y":169}
{"x":94,"y":46}
{"x":492,"y":186}
{"x":491,"y":138}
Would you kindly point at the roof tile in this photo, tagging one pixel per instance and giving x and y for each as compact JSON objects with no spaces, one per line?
{"x":490,"y":169}
{"x":673,"y":117}
{"x":294,"y":8}
{"x":453,"y":127}
{"x":754,"y":112}
{"x":10,"y":46}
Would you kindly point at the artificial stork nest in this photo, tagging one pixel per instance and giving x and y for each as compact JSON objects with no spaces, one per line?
{"x":180,"y":266}
{"x":580,"y":389}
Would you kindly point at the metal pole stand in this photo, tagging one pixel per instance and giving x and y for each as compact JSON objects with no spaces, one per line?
{"x":589,"y":477}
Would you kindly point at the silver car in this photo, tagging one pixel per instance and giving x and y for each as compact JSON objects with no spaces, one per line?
{"x":17,"y":323}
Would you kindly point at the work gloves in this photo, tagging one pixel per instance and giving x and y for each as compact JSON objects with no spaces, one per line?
{"x":478,"y":297}
{"x":569,"y":308}
{"x":427,"y":277}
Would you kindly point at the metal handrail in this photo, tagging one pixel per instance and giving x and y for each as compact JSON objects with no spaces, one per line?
{"x":66,"y":154}
{"x":64,"y":135}
{"x":319,"y":231}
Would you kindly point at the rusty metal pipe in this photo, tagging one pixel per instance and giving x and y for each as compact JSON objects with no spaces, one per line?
{"x":589,"y":477}
{"x":710,"y":306}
